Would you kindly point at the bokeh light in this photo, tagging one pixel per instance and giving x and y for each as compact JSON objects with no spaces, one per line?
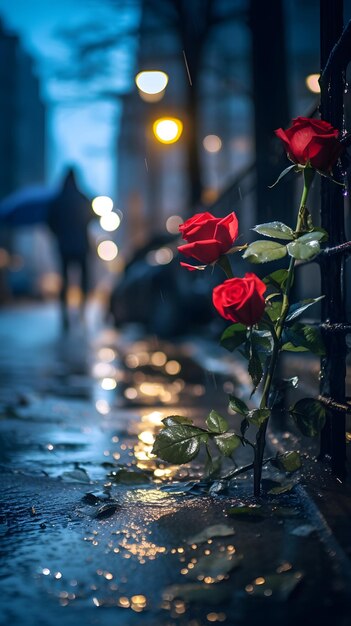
{"x":162,"y":256}
{"x":102,"y":205}
{"x":212,"y":143}
{"x":110,"y":221}
{"x":173,"y":223}
{"x":107,"y":250}
{"x":151,"y":81}
{"x":168,"y":129}
{"x":312,"y":83}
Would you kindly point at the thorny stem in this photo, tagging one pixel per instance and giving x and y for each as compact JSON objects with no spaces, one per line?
{"x":279,"y":327}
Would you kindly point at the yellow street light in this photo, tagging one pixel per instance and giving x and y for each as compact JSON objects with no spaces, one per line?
{"x":167,"y":129}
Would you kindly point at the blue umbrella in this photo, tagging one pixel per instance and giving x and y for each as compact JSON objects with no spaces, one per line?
{"x":27,"y":207}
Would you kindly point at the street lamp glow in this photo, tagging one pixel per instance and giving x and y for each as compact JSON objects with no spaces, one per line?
{"x":151,"y":81}
{"x":168,"y":129}
{"x":110,"y":221}
{"x":107,"y":250}
{"x":312,"y":83}
{"x":102,"y":205}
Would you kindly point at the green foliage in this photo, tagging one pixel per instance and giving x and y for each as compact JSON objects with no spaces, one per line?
{"x":301,"y":337}
{"x":172,"y":420}
{"x":264,"y":251}
{"x":306,"y":247}
{"x":179,"y":443}
{"x":255,"y":368}
{"x":277,"y":279}
{"x":216,"y":423}
{"x":274,"y":309}
{"x":284,"y":173}
{"x":233,"y":337}
{"x":129,"y":477}
{"x":275,"y":229}
{"x":258,"y":416}
{"x":316,"y":234}
{"x":295,"y":310}
{"x":263,"y":342}
{"x":309,"y":415}
{"x":253,"y":512}
{"x":227,"y":443}
{"x":288,"y":461}
{"x":238,"y":405}
{"x":217,"y":530}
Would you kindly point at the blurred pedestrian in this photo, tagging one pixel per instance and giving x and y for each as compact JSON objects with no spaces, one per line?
{"x":68,"y":217}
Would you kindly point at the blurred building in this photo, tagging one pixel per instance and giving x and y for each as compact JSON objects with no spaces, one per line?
{"x":22,"y":118}
{"x":22,"y":155}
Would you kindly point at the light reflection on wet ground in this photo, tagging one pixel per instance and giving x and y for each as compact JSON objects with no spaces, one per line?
{"x":88,"y":523}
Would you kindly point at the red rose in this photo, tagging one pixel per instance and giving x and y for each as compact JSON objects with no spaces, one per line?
{"x":240,"y":299}
{"x":208,"y":237}
{"x":311,"y":141}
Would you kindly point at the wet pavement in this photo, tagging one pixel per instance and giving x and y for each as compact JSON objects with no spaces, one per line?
{"x":95,"y":531}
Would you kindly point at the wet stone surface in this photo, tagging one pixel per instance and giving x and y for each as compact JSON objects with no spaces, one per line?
{"x":95,"y":531}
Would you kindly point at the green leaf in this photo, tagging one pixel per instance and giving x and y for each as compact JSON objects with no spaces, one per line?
{"x":317,"y":234}
{"x":303,"y":337}
{"x":274,"y":309}
{"x":289,"y":347}
{"x":264,"y":251}
{"x":282,"y":174}
{"x":258,"y":416}
{"x":281,"y":488}
{"x":179,"y":443}
{"x":324,"y":233}
{"x":106,"y":510}
{"x":288,"y":461}
{"x":295,"y":310}
{"x":253,"y":512}
{"x":172,"y":420}
{"x":303,"y":250}
{"x":238,"y":405}
{"x":215,"y":565}
{"x":277,"y":279}
{"x":233,"y":336}
{"x":129,"y":477}
{"x":227,"y":443}
{"x":262,"y":340}
{"x":309,"y":415}
{"x":279,"y":586}
{"x":255,"y":367}
{"x":79,"y":475}
{"x":275,"y":229}
{"x":217,"y":530}
{"x":198,"y":593}
{"x":216,"y":423}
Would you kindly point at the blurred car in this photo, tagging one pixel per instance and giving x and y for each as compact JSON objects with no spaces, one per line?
{"x":158,"y":293}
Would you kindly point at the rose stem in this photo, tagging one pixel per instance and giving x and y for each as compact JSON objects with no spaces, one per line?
{"x":308,"y":174}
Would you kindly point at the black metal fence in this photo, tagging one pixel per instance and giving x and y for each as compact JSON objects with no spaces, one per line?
{"x":335,"y":57}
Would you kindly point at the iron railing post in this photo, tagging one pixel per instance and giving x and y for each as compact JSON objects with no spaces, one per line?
{"x":333,"y":443}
